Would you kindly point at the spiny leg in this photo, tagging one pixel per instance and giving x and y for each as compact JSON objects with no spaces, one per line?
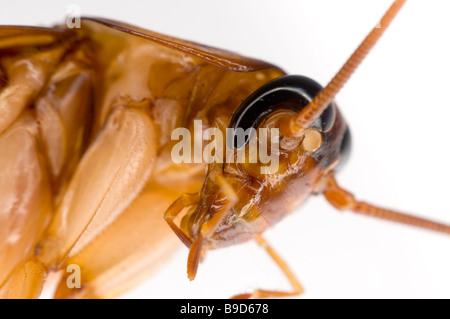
{"x":211,"y":225}
{"x":175,"y":209}
{"x":259,"y":293}
{"x":136,"y":245}
{"x":343,"y":200}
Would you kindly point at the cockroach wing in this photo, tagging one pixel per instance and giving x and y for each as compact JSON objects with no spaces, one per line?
{"x":222,"y":58}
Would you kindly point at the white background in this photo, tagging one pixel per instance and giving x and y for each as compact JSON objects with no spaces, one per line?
{"x":398,"y":109}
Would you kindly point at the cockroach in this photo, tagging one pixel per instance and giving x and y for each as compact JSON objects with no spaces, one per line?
{"x":99,"y":206}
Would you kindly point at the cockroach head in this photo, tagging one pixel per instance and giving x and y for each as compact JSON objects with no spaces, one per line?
{"x":267,"y":174}
{"x":248,"y":185}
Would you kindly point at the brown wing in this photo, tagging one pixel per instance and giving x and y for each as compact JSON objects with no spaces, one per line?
{"x":225,"y":59}
{"x":19,"y":36}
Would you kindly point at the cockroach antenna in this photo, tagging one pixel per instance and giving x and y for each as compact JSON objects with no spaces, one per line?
{"x":298,"y":124}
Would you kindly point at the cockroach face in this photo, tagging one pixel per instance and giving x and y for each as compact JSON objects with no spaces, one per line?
{"x":268,"y":175}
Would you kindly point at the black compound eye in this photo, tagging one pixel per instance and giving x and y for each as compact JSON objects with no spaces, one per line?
{"x":346,"y":147}
{"x":290,"y":92}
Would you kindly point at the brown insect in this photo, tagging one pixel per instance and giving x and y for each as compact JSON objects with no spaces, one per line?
{"x":113,"y":197}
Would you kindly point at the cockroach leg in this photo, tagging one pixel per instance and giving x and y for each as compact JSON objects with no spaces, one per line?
{"x":175,"y":209}
{"x":102,"y":263}
{"x":343,"y":200}
{"x":259,"y":293}
{"x":194,"y":257}
{"x":27,"y":281}
{"x":211,"y":225}
{"x":26,"y":77}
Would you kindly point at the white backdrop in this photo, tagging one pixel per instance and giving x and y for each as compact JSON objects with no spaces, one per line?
{"x":397,"y":107}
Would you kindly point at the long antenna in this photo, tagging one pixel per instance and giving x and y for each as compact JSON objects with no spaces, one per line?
{"x":298,"y":124}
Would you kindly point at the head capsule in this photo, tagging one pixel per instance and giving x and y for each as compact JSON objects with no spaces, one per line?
{"x":262,"y":199}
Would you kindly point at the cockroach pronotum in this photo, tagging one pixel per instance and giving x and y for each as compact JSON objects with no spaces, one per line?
{"x":86,"y":125}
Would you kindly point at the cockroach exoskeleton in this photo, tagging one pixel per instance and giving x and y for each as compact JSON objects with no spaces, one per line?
{"x":89,"y":182}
